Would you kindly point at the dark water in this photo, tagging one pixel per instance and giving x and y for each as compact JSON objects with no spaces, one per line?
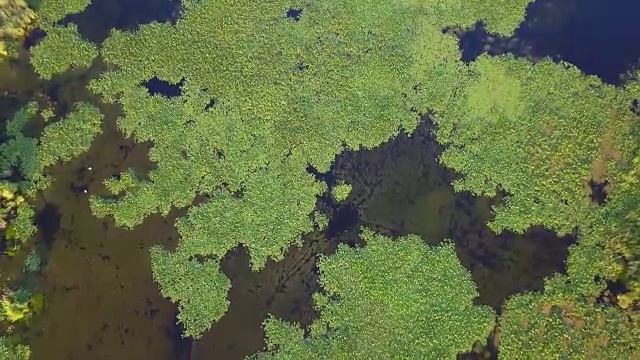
{"x":599,"y":37}
{"x":101,"y":300}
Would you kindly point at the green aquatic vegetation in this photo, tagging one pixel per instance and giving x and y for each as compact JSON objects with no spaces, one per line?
{"x":557,"y":326}
{"x":541,"y":134}
{"x":19,"y":151}
{"x":10,"y":350}
{"x":50,"y":12}
{"x":70,"y":137}
{"x":15,"y":217}
{"x":341,"y":192}
{"x":420,"y":305}
{"x":623,"y":215}
{"x":60,"y":50}
{"x":287,"y":94}
{"x":61,"y":141}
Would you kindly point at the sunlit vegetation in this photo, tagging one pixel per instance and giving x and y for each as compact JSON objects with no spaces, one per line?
{"x":341,"y":191}
{"x":292,"y":93}
{"x":60,"y":50}
{"x":624,"y":224}
{"x":52,"y":11}
{"x":388,"y":309}
{"x":542,"y":139}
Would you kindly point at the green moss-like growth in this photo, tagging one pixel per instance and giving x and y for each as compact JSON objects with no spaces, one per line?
{"x":419,"y":305}
{"x":287,"y":94}
{"x":60,"y":50}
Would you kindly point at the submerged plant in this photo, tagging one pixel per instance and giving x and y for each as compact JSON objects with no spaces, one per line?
{"x":33,"y":262}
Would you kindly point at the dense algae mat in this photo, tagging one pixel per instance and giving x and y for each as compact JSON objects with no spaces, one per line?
{"x":289,"y":93}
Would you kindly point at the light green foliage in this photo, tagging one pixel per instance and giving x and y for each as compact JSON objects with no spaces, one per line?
{"x":288,"y":94}
{"x":9,"y":350}
{"x":400,"y":299}
{"x":51,"y":11}
{"x":341,"y":192}
{"x":61,"y":50}
{"x":536,"y":326}
{"x":535,"y":132}
{"x":71,"y":136}
{"x":47,"y":114}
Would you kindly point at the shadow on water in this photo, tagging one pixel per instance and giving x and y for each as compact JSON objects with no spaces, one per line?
{"x":48,"y":223}
{"x":400,"y":189}
{"x":599,"y":37}
{"x":97,"y":20}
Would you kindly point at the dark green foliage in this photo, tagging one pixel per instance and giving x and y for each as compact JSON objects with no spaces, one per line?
{"x":21,"y":295}
{"x":60,"y":142}
{"x":417,"y":305}
{"x":288,"y":94}
{"x":19,"y":151}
